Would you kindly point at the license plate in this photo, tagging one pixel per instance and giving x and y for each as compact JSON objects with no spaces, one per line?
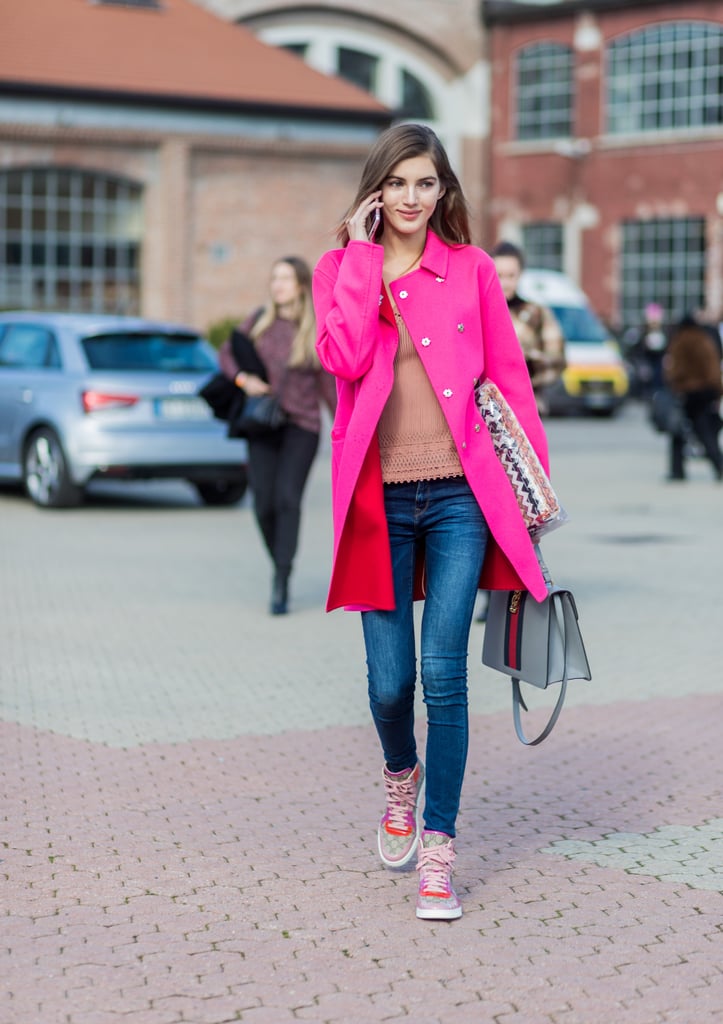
{"x":190,"y":408}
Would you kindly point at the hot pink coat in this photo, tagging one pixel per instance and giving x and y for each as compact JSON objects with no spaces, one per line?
{"x":458,"y":320}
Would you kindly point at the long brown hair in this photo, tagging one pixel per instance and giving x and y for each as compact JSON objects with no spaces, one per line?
{"x":303,"y":347}
{"x":450,"y":219}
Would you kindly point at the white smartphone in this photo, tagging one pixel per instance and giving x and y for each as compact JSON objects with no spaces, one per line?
{"x":374,"y":224}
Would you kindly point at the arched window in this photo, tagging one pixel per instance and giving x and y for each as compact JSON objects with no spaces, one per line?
{"x":69,"y":240}
{"x":544,"y":91}
{"x":414,"y":100}
{"x":664,"y":77}
{"x":402,"y":82}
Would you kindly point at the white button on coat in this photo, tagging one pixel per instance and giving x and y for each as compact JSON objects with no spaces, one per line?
{"x":426,"y":341}
{"x":447,"y":392}
{"x":403,"y":295}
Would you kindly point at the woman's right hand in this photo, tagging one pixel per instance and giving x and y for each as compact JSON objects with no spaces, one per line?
{"x":357,"y":224}
{"x":252,"y":384}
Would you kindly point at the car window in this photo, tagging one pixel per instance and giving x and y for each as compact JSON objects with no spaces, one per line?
{"x":580,"y":324}
{"x":166,"y":353}
{"x":25,"y":346}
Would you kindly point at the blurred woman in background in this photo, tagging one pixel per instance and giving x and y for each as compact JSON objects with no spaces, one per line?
{"x":283,"y":334}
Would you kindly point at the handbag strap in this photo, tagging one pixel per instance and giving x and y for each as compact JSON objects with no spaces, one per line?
{"x":546,"y":574}
{"x":518,"y":700}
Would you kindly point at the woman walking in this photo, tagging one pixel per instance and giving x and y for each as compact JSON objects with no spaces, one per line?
{"x":692,"y":371}
{"x":284,"y":335}
{"x":410,"y":318}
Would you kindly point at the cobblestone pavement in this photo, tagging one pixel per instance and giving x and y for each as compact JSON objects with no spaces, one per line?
{"x":190,"y":787}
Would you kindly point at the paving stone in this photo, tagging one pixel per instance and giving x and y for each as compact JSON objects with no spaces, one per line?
{"x":191,"y":788}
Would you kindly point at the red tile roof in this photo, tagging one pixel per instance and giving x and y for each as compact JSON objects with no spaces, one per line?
{"x":177,"y":52}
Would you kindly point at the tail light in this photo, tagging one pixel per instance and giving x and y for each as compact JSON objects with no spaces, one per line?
{"x":96,"y":401}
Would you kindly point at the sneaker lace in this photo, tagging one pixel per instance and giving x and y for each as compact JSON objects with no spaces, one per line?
{"x":434,"y":866}
{"x":401,"y":798}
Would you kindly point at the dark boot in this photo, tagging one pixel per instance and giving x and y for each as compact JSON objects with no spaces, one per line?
{"x":280,"y":593}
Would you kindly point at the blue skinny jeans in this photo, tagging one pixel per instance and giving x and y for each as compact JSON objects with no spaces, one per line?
{"x":442,"y":516}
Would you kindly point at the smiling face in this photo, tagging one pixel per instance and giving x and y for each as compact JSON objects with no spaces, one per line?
{"x":410,"y":193}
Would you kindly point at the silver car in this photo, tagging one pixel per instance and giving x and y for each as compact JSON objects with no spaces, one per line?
{"x":84,"y":397}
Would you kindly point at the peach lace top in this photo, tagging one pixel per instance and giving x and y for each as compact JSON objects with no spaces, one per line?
{"x":414,"y":439}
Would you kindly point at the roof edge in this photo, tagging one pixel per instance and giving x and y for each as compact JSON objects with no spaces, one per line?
{"x":509,"y":12}
{"x":195,"y":103}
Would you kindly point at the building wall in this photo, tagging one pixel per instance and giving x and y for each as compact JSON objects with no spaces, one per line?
{"x":251,"y":208}
{"x":593,"y":181}
{"x":217,"y":211}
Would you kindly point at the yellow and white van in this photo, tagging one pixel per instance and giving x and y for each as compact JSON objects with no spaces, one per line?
{"x":595,"y":379}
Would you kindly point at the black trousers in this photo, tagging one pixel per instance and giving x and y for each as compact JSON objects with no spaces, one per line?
{"x":279,"y":466}
{"x":702,"y":412}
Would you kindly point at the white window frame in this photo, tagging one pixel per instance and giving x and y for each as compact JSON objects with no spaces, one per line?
{"x":664,"y":78}
{"x":541,"y":120}
{"x":83,"y":221}
{"x":461,"y":106}
{"x":662,"y":260}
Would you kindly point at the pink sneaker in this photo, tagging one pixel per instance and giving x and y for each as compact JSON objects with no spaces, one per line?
{"x":399,"y":828}
{"x":437,"y":900}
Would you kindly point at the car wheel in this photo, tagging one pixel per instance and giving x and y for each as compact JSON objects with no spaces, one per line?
{"x":45,"y":472}
{"x":220,"y":492}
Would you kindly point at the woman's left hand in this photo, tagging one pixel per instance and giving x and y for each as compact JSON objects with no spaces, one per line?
{"x":252,"y":384}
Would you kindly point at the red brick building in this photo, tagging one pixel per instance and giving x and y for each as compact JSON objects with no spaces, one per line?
{"x":606,"y":151}
{"x":155,"y":158}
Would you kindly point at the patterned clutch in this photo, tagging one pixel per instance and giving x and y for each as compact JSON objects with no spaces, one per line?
{"x":536,"y":499}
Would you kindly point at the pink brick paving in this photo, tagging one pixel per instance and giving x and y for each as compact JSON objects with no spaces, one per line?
{"x":236,"y":880}
{"x":151,"y":877}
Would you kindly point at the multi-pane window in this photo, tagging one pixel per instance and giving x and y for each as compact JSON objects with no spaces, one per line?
{"x":69,"y":240}
{"x":358,"y":67}
{"x":663,"y":261}
{"x":363,"y":70}
{"x":408,"y":95}
{"x":664,"y":77}
{"x":544,"y":96}
{"x":542,"y":244}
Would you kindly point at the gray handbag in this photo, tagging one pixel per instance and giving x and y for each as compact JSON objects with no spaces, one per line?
{"x":537,"y":642}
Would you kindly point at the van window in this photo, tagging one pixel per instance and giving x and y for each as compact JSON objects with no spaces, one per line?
{"x":580,"y":324}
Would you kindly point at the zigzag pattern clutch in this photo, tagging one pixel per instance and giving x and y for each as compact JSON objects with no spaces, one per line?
{"x":536,"y":498}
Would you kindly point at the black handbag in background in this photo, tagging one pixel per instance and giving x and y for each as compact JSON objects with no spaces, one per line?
{"x":257,"y":416}
{"x":221,"y":394}
{"x":666,"y":413}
